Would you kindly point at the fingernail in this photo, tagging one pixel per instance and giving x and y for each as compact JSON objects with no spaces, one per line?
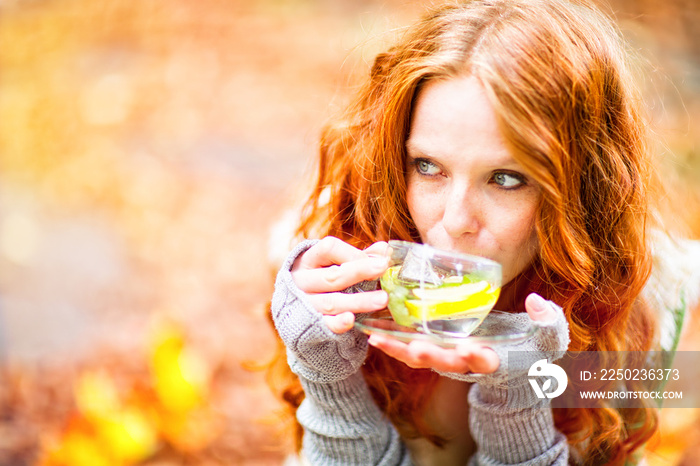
{"x":380,"y":299}
{"x":379,"y":263}
{"x":539,"y":303}
{"x":348,"y":319}
{"x":340,"y":323}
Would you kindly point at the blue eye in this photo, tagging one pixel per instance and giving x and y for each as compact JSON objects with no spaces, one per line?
{"x":425,"y":167}
{"x":508,"y":180}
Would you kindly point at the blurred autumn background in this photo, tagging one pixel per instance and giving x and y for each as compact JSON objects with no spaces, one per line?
{"x":146,"y":149}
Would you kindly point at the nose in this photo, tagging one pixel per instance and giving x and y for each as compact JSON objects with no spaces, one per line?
{"x":462,"y":213}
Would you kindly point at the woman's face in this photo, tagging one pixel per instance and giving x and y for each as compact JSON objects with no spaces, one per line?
{"x":466,"y":193}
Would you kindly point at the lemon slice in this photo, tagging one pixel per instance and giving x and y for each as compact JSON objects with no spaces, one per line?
{"x":474,"y":300}
{"x":451,"y":293}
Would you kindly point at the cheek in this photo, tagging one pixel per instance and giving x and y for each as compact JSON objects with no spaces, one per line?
{"x":520,"y":231}
{"x":521,"y":245}
{"x":416,"y":202}
{"x":424,"y":206}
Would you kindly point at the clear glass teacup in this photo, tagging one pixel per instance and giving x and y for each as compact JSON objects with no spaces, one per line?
{"x":439,"y":292}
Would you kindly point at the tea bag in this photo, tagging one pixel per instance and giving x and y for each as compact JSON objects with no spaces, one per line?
{"x":418,"y":268}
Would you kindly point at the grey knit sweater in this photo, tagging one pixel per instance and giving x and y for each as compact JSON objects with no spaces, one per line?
{"x":343,"y":425}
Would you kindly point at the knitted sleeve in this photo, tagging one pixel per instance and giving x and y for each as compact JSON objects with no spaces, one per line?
{"x":508,"y":422}
{"x":342,"y":424}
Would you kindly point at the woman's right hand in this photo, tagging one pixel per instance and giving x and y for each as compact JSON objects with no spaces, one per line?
{"x":331,"y":266}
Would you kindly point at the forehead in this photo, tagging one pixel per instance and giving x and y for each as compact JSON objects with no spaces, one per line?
{"x":454,"y":116}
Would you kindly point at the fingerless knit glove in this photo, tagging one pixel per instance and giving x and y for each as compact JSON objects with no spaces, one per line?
{"x":509,"y":423}
{"x":342,"y":424}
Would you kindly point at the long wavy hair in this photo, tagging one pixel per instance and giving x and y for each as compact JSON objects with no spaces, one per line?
{"x":559,"y":78}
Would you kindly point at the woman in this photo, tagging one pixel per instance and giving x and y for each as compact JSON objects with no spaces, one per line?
{"x":507,"y":129}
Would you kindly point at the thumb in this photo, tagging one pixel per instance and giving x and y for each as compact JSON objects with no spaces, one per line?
{"x":380,"y":249}
{"x":539,"y":309}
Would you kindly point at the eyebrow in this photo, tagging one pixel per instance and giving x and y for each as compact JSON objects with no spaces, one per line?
{"x":413,"y":147}
{"x":415,"y":150}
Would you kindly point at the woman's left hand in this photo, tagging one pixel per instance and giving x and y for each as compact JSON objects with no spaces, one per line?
{"x":466,"y":357}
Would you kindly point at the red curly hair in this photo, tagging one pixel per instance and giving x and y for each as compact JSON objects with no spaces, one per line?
{"x":560,"y":82}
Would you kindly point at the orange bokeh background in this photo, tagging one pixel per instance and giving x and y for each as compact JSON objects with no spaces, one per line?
{"x":146,"y":150}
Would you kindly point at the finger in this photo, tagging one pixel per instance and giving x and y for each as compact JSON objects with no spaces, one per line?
{"x":338,"y":303}
{"x":425,"y":355}
{"x":421,"y":354}
{"x":481,"y":360}
{"x":340,"y":323}
{"x":339,"y":277}
{"x":380,"y":249}
{"x":539,"y":309}
{"x":553,"y":329}
{"x":392,"y":347}
{"x":328,"y":251}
